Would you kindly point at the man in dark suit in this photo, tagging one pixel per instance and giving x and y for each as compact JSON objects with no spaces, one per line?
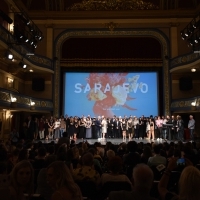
{"x":31,"y":128}
{"x":98,"y":127}
{"x":117,"y":127}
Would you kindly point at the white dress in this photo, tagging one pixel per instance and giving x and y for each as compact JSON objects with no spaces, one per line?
{"x":104,"y":126}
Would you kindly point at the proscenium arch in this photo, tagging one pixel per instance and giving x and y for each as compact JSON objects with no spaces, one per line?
{"x":161,"y":37}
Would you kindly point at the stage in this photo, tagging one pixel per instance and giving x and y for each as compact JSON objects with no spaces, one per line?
{"x":115,"y":141}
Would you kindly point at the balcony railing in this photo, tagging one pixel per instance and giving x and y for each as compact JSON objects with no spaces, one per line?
{"x":184,"y":59}
{"x":190,"y":104}
{"x":15,"y":100}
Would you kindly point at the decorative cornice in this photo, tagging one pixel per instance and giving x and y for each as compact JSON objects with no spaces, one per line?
{"x":125,"y":33}
{"x":104,"y":5}
{"x":128,"y":62}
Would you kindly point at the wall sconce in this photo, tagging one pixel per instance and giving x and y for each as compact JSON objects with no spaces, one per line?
{"x":193,"y":104}
{"x":13,"y":99}
{"x":13,"y":103}
{"x":193,"y":70}
{"x":32,"y":104}
{"x":10,"y":82}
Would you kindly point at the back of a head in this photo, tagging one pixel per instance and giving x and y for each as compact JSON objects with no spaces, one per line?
{"x":132,"y":146}
{"x":142,"y":177}
{"x":189,"y":184}
{"x":156,"y":149}
{"x":115,"y":164}
{"x":110,"y":154}
{"x":87,"y":159}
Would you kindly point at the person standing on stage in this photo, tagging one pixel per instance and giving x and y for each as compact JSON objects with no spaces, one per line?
{"x":124,"y":127}
{"x":82,"y":128}
{"x":129,"y":127}
{"x":104,"y":127}
{"x":57,"y":129}
{"x":51,"y":124}
{"x":148,"y":127}
{"x":164,"y":128}
{"x":46,"y":129}
{"x":88,"y":125}
{"x":62,"y":126}
{"x":151,"y":131}
{"x":76,"y":127}
{"x":36,"y":128}
{"x":31,"y":128}
{"x":191,"y":127}
{"x":174,"y":128}
{"x":71,"y":128}
{"x":41,"y":128}
{"x":110,"y":128}
{"x":98,"y":127}
{"x":180,"y":128}
{"x":117,"y":126}
{"x":136,"y":127}
{"x":159,"y":123}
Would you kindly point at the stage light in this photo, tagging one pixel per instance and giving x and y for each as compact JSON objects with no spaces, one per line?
{"x":193,"y":70}
{"x":9,"y":55}
{"x":35,"y":45}
{"x":23,"y":65}
{"x":26,"y":39}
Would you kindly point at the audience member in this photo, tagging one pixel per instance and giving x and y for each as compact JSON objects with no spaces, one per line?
{"x":142,"y":183}
{"x":61,"y":181}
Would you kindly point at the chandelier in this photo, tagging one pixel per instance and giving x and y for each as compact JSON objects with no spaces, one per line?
{"x":108,"y":5}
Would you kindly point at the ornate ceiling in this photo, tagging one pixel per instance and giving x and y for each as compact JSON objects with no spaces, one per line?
{"x":94,"y":5}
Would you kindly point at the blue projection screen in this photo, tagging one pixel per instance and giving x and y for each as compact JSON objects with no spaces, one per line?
{"x":110,"y":94}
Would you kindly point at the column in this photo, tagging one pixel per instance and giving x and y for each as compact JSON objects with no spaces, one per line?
{"x":174,"y":40}
{"x":49,"y":52}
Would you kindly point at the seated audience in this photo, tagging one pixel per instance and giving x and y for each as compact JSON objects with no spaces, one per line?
{"x":115,"y":166}
{"x":61,"y":181}
{"x":21,"y":180}
{"x":142,"y":183}
{"x":86,"y":172}
{"x":157,"y":159}
{"x":188,"y":183}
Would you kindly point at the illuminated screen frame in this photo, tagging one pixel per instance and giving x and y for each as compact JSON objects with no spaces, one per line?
{"x":121,"y":108}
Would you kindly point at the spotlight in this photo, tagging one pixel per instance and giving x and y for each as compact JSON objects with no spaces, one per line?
{"x":9,"y":55}
{"x":21,"y":64}
{"x":26,"y":21}
{"x":193,"y":70}
{"x":26,"y":39}
{"x":40,"y":38}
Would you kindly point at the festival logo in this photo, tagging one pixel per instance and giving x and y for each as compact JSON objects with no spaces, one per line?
{"x":110,"y":91}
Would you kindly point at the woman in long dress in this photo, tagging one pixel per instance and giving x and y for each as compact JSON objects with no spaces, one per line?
{"x":76,"y":128}
{"x":123,"y":127}
{"x":82,"y":128}
{"x":88,"y":128}
{"x":71,"y":128}
{"x":129,"y":126}
{"x":104,"y":127}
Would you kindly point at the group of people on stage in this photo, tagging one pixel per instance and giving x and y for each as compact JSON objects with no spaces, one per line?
{"x":116,"y":127}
